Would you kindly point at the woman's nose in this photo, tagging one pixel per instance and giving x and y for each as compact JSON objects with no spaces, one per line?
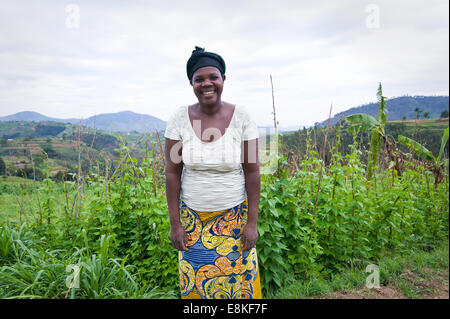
{"x":206,"y":82}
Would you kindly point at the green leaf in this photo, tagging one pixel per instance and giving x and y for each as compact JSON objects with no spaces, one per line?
{"x":271,"y":202}
{"x":277,"y":280}
{"x":275,"y":212}
{"x":276,"y":223}
{"x":419,"y":149}
{"x":443,"y":143}
{"x":263,"y":228}
{"x":382,"y":111}
{"x":366,"y":121}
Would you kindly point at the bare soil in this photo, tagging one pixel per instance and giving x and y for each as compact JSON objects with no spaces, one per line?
{"x":431,"y":285}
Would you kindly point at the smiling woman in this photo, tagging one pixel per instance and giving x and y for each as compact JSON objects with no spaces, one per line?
{"x":212,"y":187}
{"x":208,"y":84}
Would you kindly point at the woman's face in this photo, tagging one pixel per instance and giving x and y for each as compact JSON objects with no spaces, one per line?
{"x":208,"y":85}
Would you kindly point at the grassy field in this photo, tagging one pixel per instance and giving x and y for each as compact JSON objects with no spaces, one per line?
{"x":416,"y":275}
{"x":21,"y":199}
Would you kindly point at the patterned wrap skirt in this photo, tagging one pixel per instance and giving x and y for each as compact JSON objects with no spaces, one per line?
{"x":215,"y":267}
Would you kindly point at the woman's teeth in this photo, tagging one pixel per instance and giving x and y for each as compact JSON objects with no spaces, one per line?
{"x":208,"y":93}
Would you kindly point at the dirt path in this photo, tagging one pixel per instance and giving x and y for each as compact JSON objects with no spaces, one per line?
{"x":430,"y":285}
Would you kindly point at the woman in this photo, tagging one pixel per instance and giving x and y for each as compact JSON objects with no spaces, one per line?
{"x":213,"y":188}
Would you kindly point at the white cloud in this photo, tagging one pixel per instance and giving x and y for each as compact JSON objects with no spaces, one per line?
{"x":131,"y":55}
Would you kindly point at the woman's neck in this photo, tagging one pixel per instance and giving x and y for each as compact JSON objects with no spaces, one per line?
{"x":210,"y":109}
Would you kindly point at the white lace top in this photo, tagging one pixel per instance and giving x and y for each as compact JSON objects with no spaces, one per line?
{"x":212,"y":177}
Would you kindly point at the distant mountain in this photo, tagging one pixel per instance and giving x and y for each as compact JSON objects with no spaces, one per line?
{"x":399,"y":107}
{"x":27,"y":116}
{"x":126,"y":121}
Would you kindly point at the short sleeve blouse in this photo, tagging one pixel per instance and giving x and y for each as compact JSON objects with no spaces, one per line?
{"x":212,"y":177}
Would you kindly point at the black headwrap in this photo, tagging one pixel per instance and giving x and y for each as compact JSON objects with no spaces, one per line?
{"x":201,"y":58}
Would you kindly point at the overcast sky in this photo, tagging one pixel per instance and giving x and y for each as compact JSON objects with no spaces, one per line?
{"x":80,"y":58}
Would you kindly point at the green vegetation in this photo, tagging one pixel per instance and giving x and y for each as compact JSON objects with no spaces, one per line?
{"x":427,"y":132}
{"x":357,"y":221}
{"x":409,"y":107}
{"x":320,"y":215}
{"x":367,"y":122}
{"x":2,"y":167}
{"x":407,"y":274}
{"x":9,"y":130}
{"x":436,"y":164}
{"x":66,"y":148}
{"x":30,"y":272}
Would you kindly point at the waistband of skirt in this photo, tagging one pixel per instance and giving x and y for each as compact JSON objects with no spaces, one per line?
{"x":244,"y":203}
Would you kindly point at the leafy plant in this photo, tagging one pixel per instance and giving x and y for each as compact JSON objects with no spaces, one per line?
{"x":376,"y":126}
{"x":437,"y":163}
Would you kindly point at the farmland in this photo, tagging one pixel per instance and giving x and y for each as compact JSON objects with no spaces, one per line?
{"x":320,"y":213}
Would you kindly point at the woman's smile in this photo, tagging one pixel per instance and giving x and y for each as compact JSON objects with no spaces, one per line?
{"x":209,"y":93}
{"x":208,"y":84}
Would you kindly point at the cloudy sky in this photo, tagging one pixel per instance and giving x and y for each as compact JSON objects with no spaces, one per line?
{"x":80,"y":58}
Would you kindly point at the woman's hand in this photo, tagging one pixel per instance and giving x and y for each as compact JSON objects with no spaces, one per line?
{"x":249,"y":236}
{"x":178,"y":237}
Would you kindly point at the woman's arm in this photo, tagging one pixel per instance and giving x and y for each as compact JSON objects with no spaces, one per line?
{"x":250,"y":165}
{"x":174,"y":167}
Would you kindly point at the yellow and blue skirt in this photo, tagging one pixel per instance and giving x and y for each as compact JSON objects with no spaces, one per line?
{"x":215,"y":267}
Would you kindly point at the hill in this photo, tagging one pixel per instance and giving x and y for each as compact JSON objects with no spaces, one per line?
{"x":65,"y":146}
{"x":126,"y":121}
{"x":399,"y":108}
{"x":27,"y":116}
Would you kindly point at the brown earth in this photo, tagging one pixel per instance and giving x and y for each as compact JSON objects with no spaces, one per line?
{"x":420,"y":121}
{"x":432,"y":285}
{"x":66,"y":144}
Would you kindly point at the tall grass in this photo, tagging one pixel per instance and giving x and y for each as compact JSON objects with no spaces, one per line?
{"x":28,"y":271}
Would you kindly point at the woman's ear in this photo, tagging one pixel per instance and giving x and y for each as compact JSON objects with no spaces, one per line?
{"x":223,"y":77}
{"x":190,"y":82}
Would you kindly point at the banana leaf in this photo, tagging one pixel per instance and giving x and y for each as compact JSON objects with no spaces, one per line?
{"x":364,"y":120}
{"x":443,"y":143}
{"x":419,"y":149}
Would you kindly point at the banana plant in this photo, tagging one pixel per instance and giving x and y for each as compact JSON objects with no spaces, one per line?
{"x":369,"y":123}
{"x":437,"y":163}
